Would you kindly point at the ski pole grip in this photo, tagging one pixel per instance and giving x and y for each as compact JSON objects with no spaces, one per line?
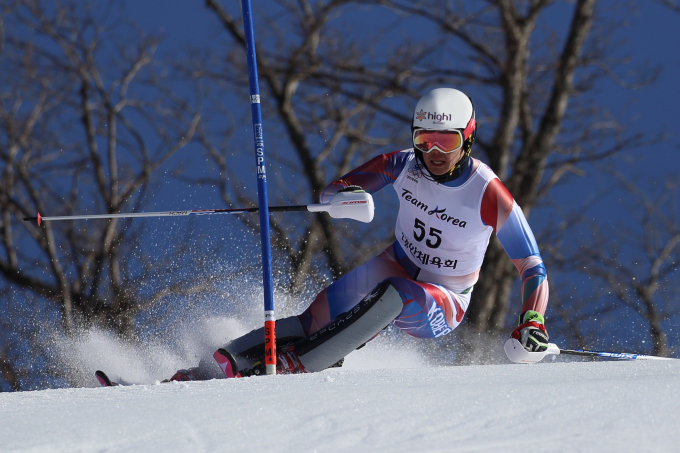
{"x":317,"y":207}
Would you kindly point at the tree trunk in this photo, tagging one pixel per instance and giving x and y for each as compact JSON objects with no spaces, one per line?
{"x":8,"y":373}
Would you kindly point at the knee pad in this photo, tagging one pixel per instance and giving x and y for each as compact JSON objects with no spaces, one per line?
{"x":351,"y":329}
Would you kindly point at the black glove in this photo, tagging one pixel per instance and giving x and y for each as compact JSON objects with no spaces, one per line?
{"x":531,"y":332}
{"x":354,"y":188}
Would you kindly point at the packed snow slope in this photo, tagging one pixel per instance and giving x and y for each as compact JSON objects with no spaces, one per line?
{"x":546,"y":407}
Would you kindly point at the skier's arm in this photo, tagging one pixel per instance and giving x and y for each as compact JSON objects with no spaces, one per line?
{"x":371,"y":176}
{"x":500,"y":211}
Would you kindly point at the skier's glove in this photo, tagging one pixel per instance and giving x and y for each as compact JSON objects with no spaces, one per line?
{"x":531,"y":332}
{"x":353,"y":189}
{"x":344,"y":192}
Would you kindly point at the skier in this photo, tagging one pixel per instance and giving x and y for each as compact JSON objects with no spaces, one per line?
{"x":449,"y":204}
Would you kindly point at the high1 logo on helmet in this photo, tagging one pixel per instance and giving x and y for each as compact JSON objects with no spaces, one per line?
{"x":437,"y":118}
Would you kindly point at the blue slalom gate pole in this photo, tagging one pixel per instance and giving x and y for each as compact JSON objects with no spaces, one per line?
{"x":269,"y":318}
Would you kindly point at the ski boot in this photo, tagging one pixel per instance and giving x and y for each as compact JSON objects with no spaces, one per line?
{"x":287,"y":362}
{"x":190,"y":374}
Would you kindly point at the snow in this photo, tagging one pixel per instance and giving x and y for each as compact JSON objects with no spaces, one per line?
{"x":551,"y":406}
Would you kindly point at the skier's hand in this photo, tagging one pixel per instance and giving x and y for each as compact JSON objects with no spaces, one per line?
{"x":345,"y":193}
{"x":531,"y":332}
{"x":353,"y":189}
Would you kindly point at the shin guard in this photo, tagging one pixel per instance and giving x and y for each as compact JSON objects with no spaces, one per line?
{"x":351,"y":329}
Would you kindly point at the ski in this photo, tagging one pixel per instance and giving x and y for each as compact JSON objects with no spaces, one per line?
{"x":104,"y":379}
{"x":190,"y":374}
{"x":224,"y":359}
{"x":227,"y":362}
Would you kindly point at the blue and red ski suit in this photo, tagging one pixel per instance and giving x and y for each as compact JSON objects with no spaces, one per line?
{"x":442,"y":233}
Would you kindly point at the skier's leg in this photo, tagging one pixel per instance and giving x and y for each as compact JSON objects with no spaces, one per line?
{"x":430,"y":310}
{"x":423,"y":310}
{"x":344,"y":316}
{"x":350,"y":312}
{"x":348,"y":330}
{"x":334,"y":315}
{"x":343,"y":294}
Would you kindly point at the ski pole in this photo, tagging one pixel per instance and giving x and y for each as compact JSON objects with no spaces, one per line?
{"x":613,"y":355}
{"x":123,"y":215}
{"x":516,"y":353}
{"x":357,"y":206}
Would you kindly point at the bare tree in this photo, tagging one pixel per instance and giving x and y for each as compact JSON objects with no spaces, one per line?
{"x":634,"y":265}
{"x":87,"y":121}
{"x":8,"y":373}
{"x":671,"y":4}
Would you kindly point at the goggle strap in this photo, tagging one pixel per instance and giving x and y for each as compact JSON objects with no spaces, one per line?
{"x":469,"y":128}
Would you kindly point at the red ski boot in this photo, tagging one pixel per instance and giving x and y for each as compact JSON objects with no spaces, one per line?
{"x":288,"y":362}
{"x":187,"y":375}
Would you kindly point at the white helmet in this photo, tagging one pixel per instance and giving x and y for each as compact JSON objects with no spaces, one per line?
{"x":446,"y":109}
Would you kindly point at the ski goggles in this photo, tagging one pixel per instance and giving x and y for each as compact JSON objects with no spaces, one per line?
{"x":426,"y":140}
